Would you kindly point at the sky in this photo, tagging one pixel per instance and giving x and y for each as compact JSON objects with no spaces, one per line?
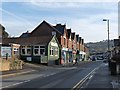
{"x":83,"y":17}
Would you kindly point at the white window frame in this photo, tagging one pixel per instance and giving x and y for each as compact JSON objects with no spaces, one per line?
{"x":36,"y":48}
{"x":26,"y":48}
{"x":39,"y":49}
{"x":51,"y":49}
{"x":56,"y":50}
{"x":16,"y":50}
{"x":42,"y":48}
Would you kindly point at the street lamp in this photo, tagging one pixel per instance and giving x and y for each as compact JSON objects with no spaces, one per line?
{"x":107,"y":20}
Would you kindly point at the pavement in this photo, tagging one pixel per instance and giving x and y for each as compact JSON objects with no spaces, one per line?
{"x":103,"y":79}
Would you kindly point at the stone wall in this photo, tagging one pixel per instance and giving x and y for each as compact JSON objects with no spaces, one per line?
{"x":6,"y":65}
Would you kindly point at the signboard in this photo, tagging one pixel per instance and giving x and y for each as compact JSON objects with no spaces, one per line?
{"x":6,"y":51}
{"x":44,"y":59}
{"x":29,"y":59}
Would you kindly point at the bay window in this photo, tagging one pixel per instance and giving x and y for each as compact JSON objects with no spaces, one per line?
{"x":51,"y":51}
{"x":56,"y":51}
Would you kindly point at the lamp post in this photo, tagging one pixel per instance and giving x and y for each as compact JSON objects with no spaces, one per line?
{"x":107,"y":20}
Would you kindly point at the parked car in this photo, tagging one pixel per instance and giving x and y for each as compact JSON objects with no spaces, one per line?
{"x":100,"y":58}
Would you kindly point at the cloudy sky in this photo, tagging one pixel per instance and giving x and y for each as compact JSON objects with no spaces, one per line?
{"x":83,"y":17}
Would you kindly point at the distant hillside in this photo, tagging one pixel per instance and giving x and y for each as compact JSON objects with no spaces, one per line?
{"x":98,"y":47}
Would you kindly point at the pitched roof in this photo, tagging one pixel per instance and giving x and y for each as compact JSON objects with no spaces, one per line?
{"x":80,"y":39}
{"x":30,"y":40}
{"x":9,"y":40}
{"x":44,"y":22}
{"x":73,"y":35}
{"x":60,"y":28}
{"x":35,"y":40}
{"x":69,"y":32}
{"x":77,"y":37}
{"x":25,"y":35}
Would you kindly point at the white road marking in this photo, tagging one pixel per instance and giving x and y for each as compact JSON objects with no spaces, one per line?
{"x":67,"y":68}
{"x":27,"y":81}
{"x":16,"y":84}
{"x":49,"y":74}
{"x":87,"y":76}
{"x":16,"y":73}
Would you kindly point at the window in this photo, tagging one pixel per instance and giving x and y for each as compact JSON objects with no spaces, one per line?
{"x":42,"y":50}
{"x":26,"y":50}
{"x":16,"y":51}
{"x":23,"y":50}
{"x":36,"y":50}
{"x":51,"y":51}
{"x":39,"y":50}
{"x":56,"y":51}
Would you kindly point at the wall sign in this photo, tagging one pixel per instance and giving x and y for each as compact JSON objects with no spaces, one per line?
{"x":6,"y":50}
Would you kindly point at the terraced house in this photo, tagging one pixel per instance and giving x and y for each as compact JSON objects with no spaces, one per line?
{"x":69,"y":46}
{"x":63,"y":42}
{"x":49,"y":44}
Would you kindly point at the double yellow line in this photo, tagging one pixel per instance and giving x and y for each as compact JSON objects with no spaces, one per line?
{"x":81,"y":82}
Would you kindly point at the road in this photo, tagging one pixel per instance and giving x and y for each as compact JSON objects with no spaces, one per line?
{"x":56,"y":77}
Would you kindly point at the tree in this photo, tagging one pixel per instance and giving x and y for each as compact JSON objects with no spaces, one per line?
{"x":3,"y":33}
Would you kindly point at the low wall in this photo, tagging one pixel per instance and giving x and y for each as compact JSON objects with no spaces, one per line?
{"x":6,"y":65}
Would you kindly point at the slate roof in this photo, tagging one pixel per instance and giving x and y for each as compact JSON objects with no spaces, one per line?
{"x":73,"y":35}
{"x":29,"y":41}
{"x":69,"y":32}
{"x":35,"y":40}
{"x":60,"y":28}
{"x":77,"y":37}
{"x":80,"y":39}
{"x":9,"y":40}
{"x":25,"y":35}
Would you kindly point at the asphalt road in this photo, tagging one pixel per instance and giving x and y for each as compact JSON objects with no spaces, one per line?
{"x":56,"y":77}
